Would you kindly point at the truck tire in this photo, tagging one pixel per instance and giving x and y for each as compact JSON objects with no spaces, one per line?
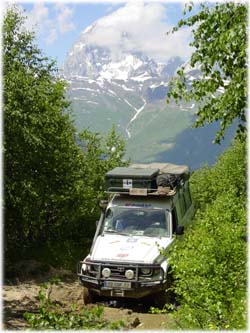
{"x":160,"y":299}
{"x":88,"y":296}
{"x":165,"y":296}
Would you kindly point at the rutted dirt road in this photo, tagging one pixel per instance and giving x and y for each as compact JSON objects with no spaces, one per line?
{"x":21,"y":296}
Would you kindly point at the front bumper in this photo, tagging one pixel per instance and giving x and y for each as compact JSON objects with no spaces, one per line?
{"x":117,"y":285}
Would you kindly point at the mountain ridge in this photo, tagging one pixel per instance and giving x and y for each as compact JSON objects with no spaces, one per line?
{"x":127,"y":89}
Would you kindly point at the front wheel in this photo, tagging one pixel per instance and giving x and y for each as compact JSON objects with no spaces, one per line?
{"x":160,"y":299}
{"x":165,"y":296}
{"x":88,"y":296}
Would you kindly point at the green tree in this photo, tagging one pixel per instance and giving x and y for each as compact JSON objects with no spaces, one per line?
{"x":101,"y":155}
{"x":210,"y":263}
{"x":41,"y":159}
{"x":219,"y":51}
{"x":51,"y":185}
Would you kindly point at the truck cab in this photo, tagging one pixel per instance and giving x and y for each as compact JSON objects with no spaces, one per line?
{"x":125,"y":259}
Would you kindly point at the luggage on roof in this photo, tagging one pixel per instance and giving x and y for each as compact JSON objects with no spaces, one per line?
{"x":146,"y":176}
{"x":125,"y":178}
{"x":164,"y":168}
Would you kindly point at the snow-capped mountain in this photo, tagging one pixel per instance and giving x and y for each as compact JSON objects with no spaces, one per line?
{"x":87,"y":58}
{"x":127,"y":88}
{"x":117,"y":80}
{"x":104,"y":65}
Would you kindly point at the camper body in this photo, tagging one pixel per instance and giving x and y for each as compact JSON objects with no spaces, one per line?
{"x":125,"y":259}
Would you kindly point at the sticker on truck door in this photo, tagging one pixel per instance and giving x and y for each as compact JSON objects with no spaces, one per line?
{"x":127,"y":183}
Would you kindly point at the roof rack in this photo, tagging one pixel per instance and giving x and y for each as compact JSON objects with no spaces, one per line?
{"x":160,"y":191}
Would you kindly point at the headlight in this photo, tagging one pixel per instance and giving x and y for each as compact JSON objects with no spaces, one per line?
{"x":146,"y":271}
{"x":106,"y":272}
{"x":158,"y":273}
{"x":129,"y":274}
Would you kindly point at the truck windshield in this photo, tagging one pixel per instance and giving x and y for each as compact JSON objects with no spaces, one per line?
{"x":137,"y":221}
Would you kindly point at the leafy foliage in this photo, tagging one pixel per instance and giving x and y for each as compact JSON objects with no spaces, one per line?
{"x":101,"y":155}
{"x":52,"y":185}
{"x":167,"y":308}
{"x":210,"y":263}
{"x":52,"y":316}
{"x":219,"y":42}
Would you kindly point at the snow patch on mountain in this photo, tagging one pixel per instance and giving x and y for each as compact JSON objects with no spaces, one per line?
{"x":88,"y":89}
{"x":126,"y":88}
{"x":92,"y":102}
{"x":137,"y":112}
{"x":153,"y":86}
{"x":141,"y":78}
{"x":126,"y":101}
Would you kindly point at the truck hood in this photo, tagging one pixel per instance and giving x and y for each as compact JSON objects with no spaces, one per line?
{"x":121,"y":248}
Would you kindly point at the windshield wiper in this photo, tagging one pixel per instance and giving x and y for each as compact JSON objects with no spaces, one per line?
{"x":115,"y":232}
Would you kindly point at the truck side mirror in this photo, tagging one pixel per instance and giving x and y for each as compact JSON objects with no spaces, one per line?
{"x":179,"y":230}
{"x":96,"y":223}
{"x":103,"y":204}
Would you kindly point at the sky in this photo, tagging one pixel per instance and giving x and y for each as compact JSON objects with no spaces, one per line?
{"x":58,"y":25}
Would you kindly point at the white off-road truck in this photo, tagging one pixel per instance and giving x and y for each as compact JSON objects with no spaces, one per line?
{"x":150,"y":204}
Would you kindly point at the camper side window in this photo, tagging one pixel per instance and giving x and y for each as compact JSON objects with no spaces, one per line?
{"x":174,"y":219}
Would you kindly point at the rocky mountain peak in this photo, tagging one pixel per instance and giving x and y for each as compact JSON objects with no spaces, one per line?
{"x":87,"y":59}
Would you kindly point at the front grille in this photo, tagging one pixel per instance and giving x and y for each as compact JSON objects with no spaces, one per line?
{"x":94,"y":270}
{"x":119,"y":271}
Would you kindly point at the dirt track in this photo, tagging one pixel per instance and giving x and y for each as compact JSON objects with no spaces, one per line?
{"x":20,"y":297}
